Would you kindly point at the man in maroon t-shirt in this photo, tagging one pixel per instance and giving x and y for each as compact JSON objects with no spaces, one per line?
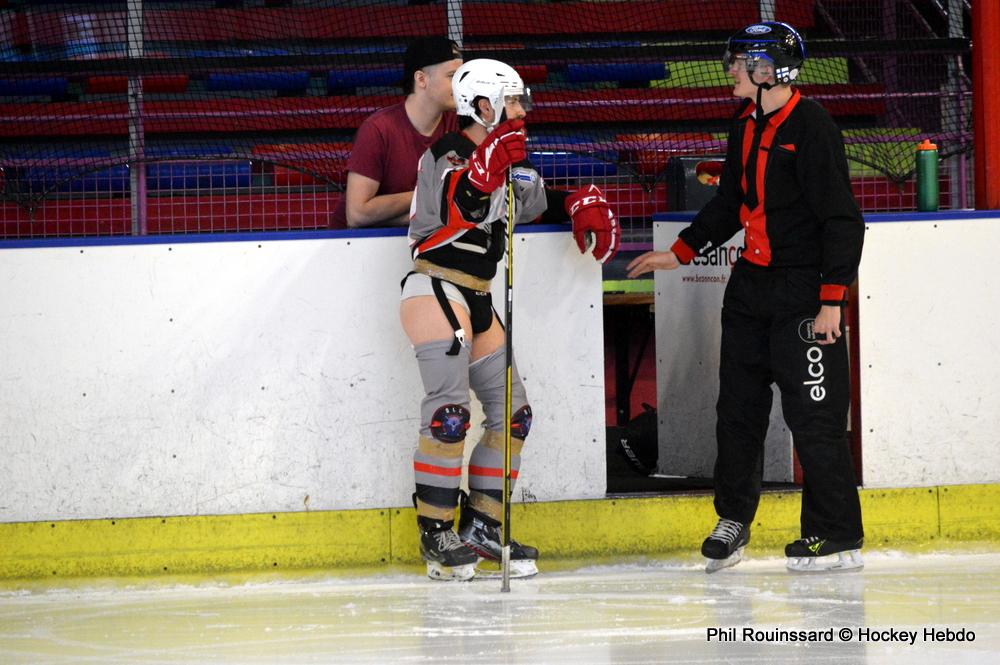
{"x":382,"y":168}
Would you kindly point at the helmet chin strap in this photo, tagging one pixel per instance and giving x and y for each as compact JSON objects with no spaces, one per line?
{"x":497,"y":121}
{"x":761,"y":87}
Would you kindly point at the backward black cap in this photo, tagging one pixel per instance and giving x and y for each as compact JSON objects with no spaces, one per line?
{"x":424,"y":52}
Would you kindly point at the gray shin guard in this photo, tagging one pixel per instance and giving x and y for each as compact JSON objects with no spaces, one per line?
{"x":487,"y":377}
{"x":444,"y":419}
{"x":445,"y":378}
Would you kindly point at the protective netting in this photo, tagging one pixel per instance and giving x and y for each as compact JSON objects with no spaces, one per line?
{"x":145,"y":116}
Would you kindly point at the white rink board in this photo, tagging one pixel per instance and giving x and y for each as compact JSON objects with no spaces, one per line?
{"x":930,"y":369}
{"x":928,"y":302}
{"x":688,"y":335}
{"x":265,"y":375}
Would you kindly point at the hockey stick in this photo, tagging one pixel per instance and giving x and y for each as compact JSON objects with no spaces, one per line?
{"x":508,"y":383}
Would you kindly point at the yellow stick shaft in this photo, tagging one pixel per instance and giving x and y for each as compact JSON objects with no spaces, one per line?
{"x":508,"y":401}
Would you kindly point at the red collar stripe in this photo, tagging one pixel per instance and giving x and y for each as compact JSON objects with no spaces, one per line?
{"x":758,"y":244}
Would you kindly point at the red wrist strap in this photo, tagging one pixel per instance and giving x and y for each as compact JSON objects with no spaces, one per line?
{"x":683,"y":253}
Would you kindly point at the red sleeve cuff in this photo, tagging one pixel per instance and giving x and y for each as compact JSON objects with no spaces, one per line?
{"x":682,"y":251}
{"x":833,"y":293}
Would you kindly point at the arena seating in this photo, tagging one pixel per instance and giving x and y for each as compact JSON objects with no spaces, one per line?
{"x":347,"y":112}
{"x":175,"y":214}
{"x":96,"y":85}
{"x":480,"y":20}
{"x":278,"y":81}
{"x":287,"y":127}
{"x":623,"y":72}
{"x":53,"y":87}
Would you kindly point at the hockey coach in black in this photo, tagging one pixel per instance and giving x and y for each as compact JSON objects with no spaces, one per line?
{"x":785,"y":182}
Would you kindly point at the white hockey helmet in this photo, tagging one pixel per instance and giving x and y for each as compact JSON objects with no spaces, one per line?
{"x":491,"y":79}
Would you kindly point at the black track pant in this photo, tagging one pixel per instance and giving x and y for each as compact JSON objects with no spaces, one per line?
{"x":767,"y":338}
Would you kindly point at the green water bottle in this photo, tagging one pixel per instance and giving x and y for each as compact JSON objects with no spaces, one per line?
{"x":927,"y":176}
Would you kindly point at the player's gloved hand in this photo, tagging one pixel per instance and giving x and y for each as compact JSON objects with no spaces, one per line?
{"x":504,"y":146}
{"x":594,"y":224}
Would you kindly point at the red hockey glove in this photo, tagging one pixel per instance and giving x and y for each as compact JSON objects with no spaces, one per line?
{"x":594,"y":224}
{"x":504,"y":146}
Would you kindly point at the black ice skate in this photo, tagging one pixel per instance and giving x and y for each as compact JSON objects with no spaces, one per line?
{"x":724,"y":547}
{"x":482,"y":535}
{"x":446,"y":556}
{"x":815,"y":554}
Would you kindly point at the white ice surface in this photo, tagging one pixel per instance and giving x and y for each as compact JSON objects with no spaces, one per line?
{"x":640,"y":612}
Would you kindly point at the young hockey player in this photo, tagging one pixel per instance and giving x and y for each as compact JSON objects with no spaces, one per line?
{"x":457,"y":233}
{"x":785,"y":182}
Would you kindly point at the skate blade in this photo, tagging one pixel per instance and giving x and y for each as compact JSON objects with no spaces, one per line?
{"x":436,"y":571}
{"x":715,"y":565}
{"x":519,"y":569}
{"x":840,"y":561}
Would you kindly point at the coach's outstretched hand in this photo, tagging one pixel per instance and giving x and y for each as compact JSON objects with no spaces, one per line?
{"x":651,"y":261}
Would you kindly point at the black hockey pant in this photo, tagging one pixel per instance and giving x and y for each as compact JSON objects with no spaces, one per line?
{"x":767,"y":319}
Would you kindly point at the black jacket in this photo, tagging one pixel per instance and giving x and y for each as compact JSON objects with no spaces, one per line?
{"x":786,"y":182}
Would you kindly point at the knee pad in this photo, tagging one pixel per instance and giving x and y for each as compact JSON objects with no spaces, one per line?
{"x":520,"y":422}
{"x":450,"y":422}
{"x":444,"y":411}
{"x":487,"y":377}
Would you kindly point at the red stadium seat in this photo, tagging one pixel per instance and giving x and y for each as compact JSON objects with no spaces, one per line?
{"x":648,"y":153}
{"x":486,"y":19}
{"x":302,"y":113}
{"x":119,"y":84}
{"x":294,"y":164}
{"x":177,"y":214}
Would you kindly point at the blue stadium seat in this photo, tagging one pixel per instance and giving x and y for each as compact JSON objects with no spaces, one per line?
{"x":352,"y":78}
{"x":281,"y":81}
{"x":198,"y":175}
{"x":537,"y":140}
{"x":597,"y":43}
{"x":555,"y":164}
{"x":182,"y":150}
{"x":351,"y":50}
{"x":25,"y":87}
{"x":616,"y":71}
{"x":230,"y":52}
{"x":38,"y":180}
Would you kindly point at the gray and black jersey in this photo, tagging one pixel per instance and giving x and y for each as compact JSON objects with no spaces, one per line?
{"x":454,"y":226}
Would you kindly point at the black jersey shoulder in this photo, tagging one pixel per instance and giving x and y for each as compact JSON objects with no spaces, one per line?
{"x":812,"y":113}
{"x":456,"y":142}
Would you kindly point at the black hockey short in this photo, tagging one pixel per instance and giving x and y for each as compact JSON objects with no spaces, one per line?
{"x":481,"y":312}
